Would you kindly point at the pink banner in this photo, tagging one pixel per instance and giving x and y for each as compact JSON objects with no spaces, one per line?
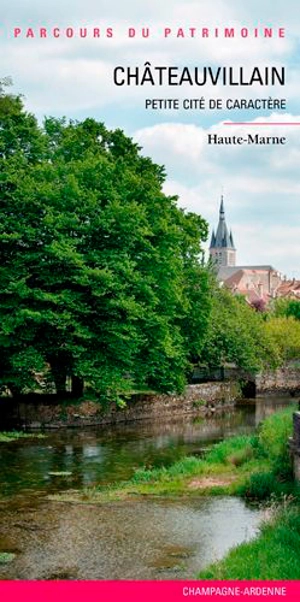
{"x":144,"y":591}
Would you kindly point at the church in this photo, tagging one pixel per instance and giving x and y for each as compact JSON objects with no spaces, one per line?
{"x":258,"y":283}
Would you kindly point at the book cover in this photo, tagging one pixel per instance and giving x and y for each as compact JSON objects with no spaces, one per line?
{"x":150,"y":238}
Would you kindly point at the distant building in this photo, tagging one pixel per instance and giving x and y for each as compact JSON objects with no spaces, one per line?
{"x":256,"y":282}
{"x":289,"y":289}
{"x":222,"y":249}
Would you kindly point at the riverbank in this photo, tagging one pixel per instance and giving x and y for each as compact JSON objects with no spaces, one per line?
{"x":243,"y":465}
{"x":50,"y":411}
{"x":222,"y":471}
{"x":38,"y":411}
{"x":153,"y":536}
{"x":273,"y":555}
{"x":256,"y":468}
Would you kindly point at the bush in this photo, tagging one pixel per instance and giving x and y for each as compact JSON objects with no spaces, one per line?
{"x":272,"y":444}
{"x":235,"y":450}
{"x":273,"y":441}
{"x":284,"y":334}
{"x":241,"y":456}
{"x":262,"y":486}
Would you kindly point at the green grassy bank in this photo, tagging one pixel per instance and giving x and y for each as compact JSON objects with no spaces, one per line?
{"x":273,"y":554}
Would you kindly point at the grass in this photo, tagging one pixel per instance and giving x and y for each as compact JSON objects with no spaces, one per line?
{"x":274,"y":554}
{"x":255,"y":467}
{"x":272,"y":446}
{"x":221,"y":471}
{"x":7,"y":436}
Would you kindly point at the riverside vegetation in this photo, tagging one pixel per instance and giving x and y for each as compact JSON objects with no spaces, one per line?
{"x":8,"y":436}
{"x":256,"y":467}
{"x":101,"y":279}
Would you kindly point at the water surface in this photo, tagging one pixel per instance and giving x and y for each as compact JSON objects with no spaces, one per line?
{"x":140,"y":539}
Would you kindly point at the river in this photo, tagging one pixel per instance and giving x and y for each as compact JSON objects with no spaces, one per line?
{"x":141,"y":539}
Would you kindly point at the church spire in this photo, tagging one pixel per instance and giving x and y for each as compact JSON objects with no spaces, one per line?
{"x":222,"y":246}
{"x":222,"y":210}
{"x":222,"y":238}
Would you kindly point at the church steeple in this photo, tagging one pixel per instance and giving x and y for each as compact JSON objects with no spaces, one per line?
{"x":222,"y":210}
{"x":222,"y":249}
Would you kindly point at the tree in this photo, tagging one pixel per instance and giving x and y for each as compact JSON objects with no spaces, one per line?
{"x":21,"y":147}
{"x":100,"y":274}
{"x":287,"y":307}
{"x":237,"y":334}
{"x":285,"y":333}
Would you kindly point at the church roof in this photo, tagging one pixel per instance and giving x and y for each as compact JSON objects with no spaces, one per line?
{"x":227,"y":271}
{"x":222,"y":238}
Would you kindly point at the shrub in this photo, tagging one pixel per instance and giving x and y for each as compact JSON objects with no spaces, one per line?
{"x":260,"y":486}
{"x":241,"y":456}
{"x":274,"y":442}
{"x":235,"y":451}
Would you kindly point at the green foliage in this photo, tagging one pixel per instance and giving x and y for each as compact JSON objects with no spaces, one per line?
{"x":7,"y":436}
{"x":289,"y":308}
{"x":229,"y":450}
{"x":274,"y":442}
{"x":284,"y":332}
{"x":273,"y":555}
{"x":259,"y":487}
{"x":100,"y":277}
{"x":266,"y":486}
{"x":100,"y":274}
{"x":273,"y":445}
{"x":185,"y":467}
{"x":236,"y":333}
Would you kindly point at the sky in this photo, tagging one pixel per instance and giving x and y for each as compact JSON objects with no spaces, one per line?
{"x":73,"y":77}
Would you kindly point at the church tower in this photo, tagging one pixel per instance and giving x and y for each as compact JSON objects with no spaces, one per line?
{"x":222,"y":250}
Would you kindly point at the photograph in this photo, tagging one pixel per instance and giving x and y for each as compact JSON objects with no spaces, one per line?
{"x":149,"y":300}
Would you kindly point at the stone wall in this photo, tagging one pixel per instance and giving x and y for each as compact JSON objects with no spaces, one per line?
{"x":199,"y":399}
{"x":285,"y":379}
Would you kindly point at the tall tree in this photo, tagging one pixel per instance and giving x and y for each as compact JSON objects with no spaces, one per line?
{"x":100,"y":274}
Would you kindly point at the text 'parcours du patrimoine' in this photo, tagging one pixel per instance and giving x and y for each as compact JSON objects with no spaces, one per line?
{"x":198,"y":76}
{"x":180,"y":33}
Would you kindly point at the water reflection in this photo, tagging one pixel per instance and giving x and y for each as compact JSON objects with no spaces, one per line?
{"x":265,"y":406}
{"x":105,"y":455}
{"x":130,"y":540}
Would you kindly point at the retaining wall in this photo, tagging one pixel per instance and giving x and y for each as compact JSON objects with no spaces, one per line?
{"x":37,"y":413}
{"x":284,"y":379}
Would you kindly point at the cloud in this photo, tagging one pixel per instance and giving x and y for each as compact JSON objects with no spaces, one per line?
{"x":74,"y":77}
{"x":260,"y":184}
